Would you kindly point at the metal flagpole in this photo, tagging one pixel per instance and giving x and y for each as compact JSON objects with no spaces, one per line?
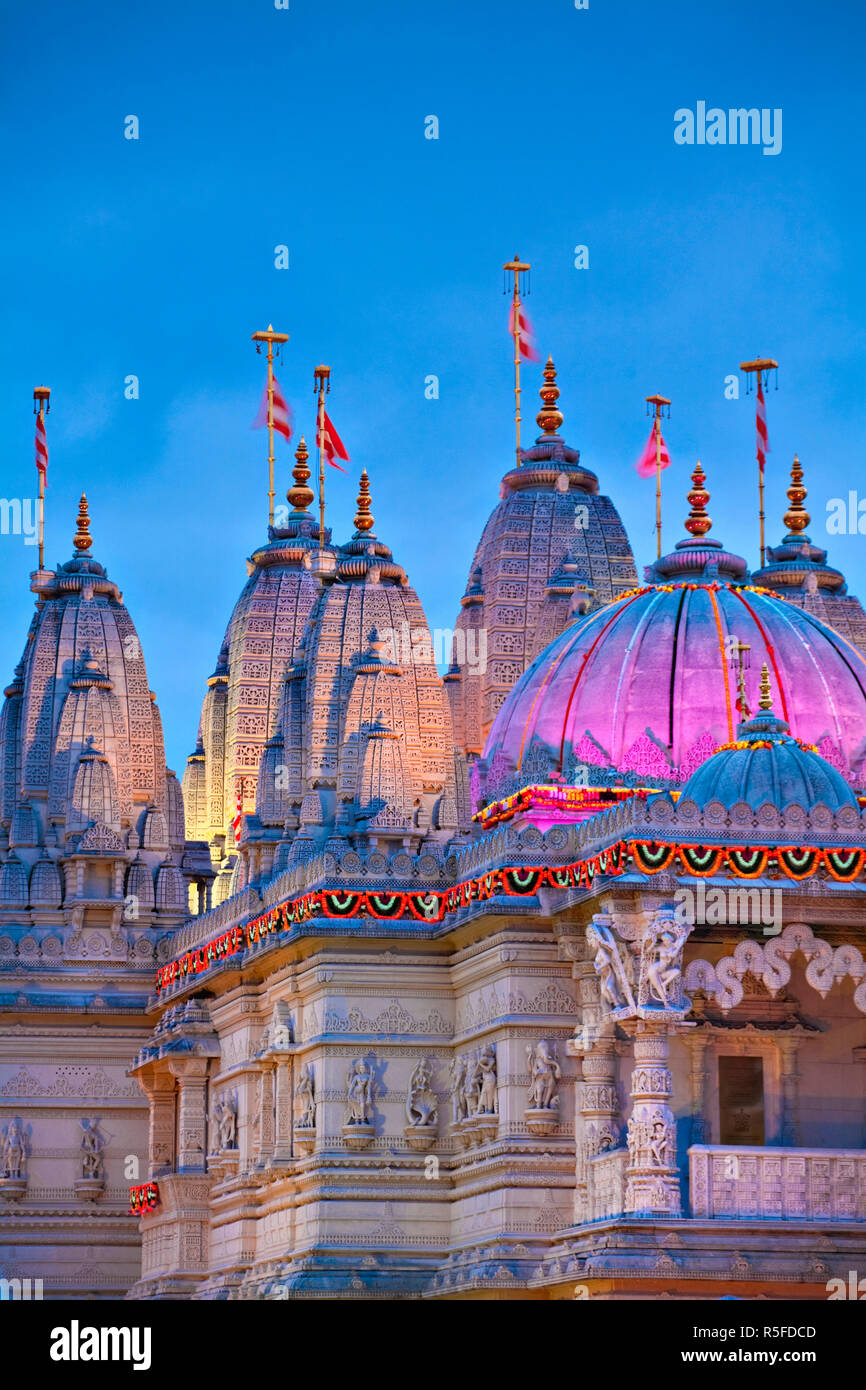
{"x":760,"y":364}
{"x":517,"y":266}
{"x":658,"y":403}
{"x":321,"y":384}
{"x":41,"y":407}
{"x":270,"y":337}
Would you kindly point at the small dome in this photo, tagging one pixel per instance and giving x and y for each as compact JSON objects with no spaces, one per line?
{"x":766,"y":764}
{"x":45,"y":886}
{"x":13,"y":883}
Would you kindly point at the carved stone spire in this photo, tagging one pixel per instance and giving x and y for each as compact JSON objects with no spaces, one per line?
{"x":697,"y":522}
{"x":550,"y":417}
{"x":796,"y":518}
{"x":301,"y":494}
{"x":82,"y":540}
{"x":363,"y":518}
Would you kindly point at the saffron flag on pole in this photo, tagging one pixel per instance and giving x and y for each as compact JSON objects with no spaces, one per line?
{"x":238,"y":819}
{"x":41,"y":447}
{"x":331,"y":444}
{"x":761,"y":427}
{"x":283,"y":422}
{"x":525,"y":333}
{"x":646,"y":464}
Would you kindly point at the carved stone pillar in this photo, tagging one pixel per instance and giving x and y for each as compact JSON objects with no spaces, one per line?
{"x":789,"y":1077}
{"x":599,"y":1106}
{"x":596,"y":1097}
{"x":696,"y":1042}
{"x":652,"y":1179}
{"x":283,"y":1132}
{"x":191,"y":1073}
{"x":266,"y":1119}
{"x":162,"y":1094}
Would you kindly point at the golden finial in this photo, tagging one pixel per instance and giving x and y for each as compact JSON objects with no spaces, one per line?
{"x":796,"y":518}
{"x":549,"y":418}
{"x":301,"y":495}
{"x":766,"y":700}
{"x":363,"y":519}
{"x":81,"y":540}
{"x":697,"y":522}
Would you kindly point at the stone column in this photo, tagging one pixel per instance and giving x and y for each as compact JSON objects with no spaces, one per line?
{"x":266,"y":1120}
{"x":283,"y":1131}
{"x":790,"y":1079}
{"x":652,"y":1178}
{"x":191,"y":1073}
{"x":162,"y":1094}
{"x":696,"y":1042}
{"x":596,"y":1097}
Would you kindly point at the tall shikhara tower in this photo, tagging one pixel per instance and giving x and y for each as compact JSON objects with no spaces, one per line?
{"x":552,"y":547}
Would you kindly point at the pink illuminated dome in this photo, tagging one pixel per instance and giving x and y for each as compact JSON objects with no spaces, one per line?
{"x":641,"y":692}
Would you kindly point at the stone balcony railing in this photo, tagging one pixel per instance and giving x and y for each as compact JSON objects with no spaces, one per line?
{"x":777,"y":1184}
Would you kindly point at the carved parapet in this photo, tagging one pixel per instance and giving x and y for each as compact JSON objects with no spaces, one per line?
{"x":782,"y":1184}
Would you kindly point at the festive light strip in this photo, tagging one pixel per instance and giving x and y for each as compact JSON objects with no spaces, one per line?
{"x":144,"y":1197}
{"x":553,"y":798}
{"x":649,"y":856}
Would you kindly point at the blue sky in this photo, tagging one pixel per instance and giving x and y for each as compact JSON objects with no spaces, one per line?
{"x":306,"y":127}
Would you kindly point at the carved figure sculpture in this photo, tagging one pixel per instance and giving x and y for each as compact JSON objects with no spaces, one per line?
{"x":359,"y":1089}
{"x":227,"y":1118}
{"x":14,"y":1163}
{"x":459,"y":1104}
{"x":544,"y":1072}
{"x":472,"y":1085}
{"x":92,"y":1146}
{"x":615,"y":988}
{"x":663,"y":950}
{"x":488,"y":1101}
{"x":422,"y":1104}
{"x":306,"y":1090}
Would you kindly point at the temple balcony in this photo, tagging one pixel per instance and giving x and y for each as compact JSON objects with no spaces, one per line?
{"x":779,"y":1183}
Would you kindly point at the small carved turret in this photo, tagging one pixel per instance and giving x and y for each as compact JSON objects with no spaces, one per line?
{"x":82,"y":539}
{"x":796,"y":518}
{"x":550,"y":417}
{"x":697,"y":522}
{"x":363,"y":517}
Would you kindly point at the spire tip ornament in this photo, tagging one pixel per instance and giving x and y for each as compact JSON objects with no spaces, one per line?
{"x":550,"y":417}
{"x":300,"y":495}
{"x":796,"y":518}
{"x":82,"y":539}
{"x":363,"y":517}
{"x":697,"y":522}
{"x":766,"y":700}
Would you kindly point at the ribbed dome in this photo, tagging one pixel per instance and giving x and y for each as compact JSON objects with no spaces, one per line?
{"x":646,"y":689}
{"x":767,"y":765}
{"x":13,"y":883}
{"x":45,"y":886}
